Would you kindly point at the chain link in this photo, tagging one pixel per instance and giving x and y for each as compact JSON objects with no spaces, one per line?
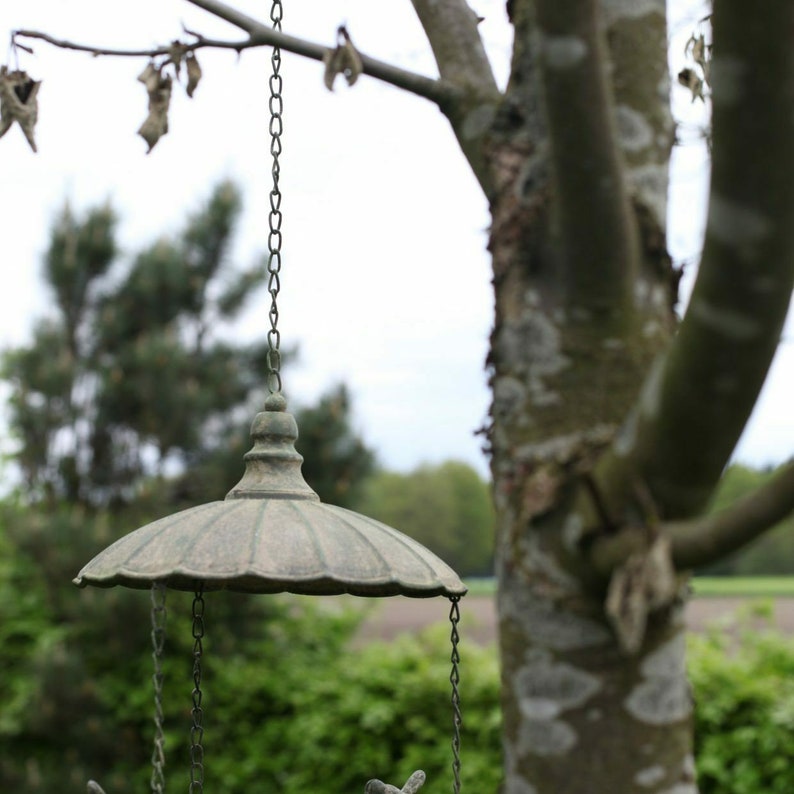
{"x":276,"y":107}
{"x":454,"y":678}
{"x":197,"y":713}
{"x":158,"y":641}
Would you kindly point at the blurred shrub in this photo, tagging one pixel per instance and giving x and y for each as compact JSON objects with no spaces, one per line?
{"x":330,"y":724}
{"x":446,"y":507}
{"x":743,"y":681}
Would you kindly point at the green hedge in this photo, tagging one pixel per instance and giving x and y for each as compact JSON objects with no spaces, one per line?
{"x":743,"y":681}
{"x":379,"y":711}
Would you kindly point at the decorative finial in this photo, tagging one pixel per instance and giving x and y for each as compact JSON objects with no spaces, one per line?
{"x":276,"y":402}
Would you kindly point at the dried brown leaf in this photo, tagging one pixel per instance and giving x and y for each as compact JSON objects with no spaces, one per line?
{"x":19,"y":102}
{"x":700,"y":52}
{"x":158,"y":86}
{"x":689,"y":79}
{"x":150,"y":77}
{"x":343,"y":59}
{"x":193,"y":73}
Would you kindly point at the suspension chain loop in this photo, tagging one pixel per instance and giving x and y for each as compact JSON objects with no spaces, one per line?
{"x":197,"y":713}
{"x":454,"y":678}
{"x":158,"y":641}
{"x":276,"y":128}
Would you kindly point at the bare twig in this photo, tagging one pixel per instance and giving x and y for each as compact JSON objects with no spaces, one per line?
{"x":153,"y":52}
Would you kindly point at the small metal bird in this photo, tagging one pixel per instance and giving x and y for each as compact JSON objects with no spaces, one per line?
{"x":412,"y":785}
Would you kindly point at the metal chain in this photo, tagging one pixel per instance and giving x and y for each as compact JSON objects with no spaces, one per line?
{"x":276,"y":106}
{"x":454,"y":678}
{"x":197,"y":713}
{"x":158,"y":641}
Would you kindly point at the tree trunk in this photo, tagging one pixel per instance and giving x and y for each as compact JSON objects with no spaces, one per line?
{"x":584,"y":306}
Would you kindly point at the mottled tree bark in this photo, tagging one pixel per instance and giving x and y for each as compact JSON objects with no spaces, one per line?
{"x":584,"y":307}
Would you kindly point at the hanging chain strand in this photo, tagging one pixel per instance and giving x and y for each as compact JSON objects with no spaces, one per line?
{"x":276,"y":106}
{"x":197,"y":713}
{"x":158,"y":641}
{"x":454,"y":678}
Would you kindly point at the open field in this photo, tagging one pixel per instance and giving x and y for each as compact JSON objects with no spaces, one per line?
{"x":769,"y":586}
{"x":391,"y":617}
{"x":737,"y":586}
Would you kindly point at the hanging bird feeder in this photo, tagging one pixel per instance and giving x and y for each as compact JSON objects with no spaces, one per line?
{"x":271,"y":534}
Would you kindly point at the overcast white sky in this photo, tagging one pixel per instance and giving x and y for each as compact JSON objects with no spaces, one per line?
{"x":386,"y":281}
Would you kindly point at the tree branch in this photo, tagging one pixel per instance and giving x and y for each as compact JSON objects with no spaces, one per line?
{"x":435,"y":90}
{"x":466,"y":93}
{"x":644,"y":124}
{"x":706,"y":539}
{"x":260,"y":35}
{"x":451,"y":28}
{"x":699,"y":542}
{"x":597,"y":233}
{"x":697,"y":401}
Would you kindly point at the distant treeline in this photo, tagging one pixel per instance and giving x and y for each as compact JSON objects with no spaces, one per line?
{"x":772,"y":554}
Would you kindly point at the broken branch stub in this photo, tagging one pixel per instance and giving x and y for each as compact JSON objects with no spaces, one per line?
{"x":645,"y":582}
{"x":19,"y":102}
{"x":158,"y":86}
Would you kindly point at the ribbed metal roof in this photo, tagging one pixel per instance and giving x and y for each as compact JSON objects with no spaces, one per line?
{"x":272,"y":534}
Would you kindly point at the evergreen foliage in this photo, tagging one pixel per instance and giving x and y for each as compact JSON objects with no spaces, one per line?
{"x":336,"y":463}
{"x":128,"y":373}
{"x":128,"y":383}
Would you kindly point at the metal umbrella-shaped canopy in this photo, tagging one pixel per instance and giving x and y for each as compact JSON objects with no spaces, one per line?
{"x":272,"y":534}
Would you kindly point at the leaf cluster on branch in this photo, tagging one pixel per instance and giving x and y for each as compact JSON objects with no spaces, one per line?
{"x":158,"y":84}
{"x":18,"y":91}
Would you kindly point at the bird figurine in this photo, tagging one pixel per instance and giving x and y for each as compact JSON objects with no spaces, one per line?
{"x":412,"y":785}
